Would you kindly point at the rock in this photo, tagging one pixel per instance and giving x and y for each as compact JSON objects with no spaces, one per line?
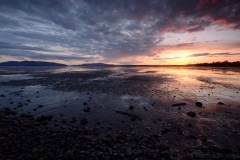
{"x":144,"y":140}
{"x":68,"y":155}
{"x":191,"y":113}
{"x":204,"y":148}
{"x":20,"y":105}
{"x":219,"y":150}
{"x":84,"y":121}
{"x":148,"y":152}
{"x":220,"y":103}
{"x":198,"y":104}
{"x":40,"y":106}
{"x":34,"y":150}
{"x":2,"y":95}
{"x":73,"y":121}
{"x":130,"y":115}
{"x":179,"y":131}
{"x":99,"y":154}
{"x":34,"y":156}
{"x":128,"y":153}
{"x":165,"y":154}
{"x":98,"y":122}
{"x":203,"y":138}
{"x":131,"y":108}
{"x":156,"y":135}
{"x":189,"y":125}
{"x":238,"y":147}
{"x":178,"y":104}
{"x":84,"y":103}
{"x":138,"y":137}
{"x":122,"y":155}
{"x":63,"y":121}
{"x":136,"y":153}
{"x":44,"y":118}
{"x":165,"y":130}
{"x":86,"y":110}
{"x":191,"y":136}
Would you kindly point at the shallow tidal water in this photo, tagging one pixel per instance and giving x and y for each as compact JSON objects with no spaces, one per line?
{"x":104,"y":94}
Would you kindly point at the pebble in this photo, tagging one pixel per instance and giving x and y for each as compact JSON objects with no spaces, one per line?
{"x":191,"y":113}
{"x":40,"y":106}
{"x":165,"y":154}
{"x":122,"y":155}
{"x":128,"y":153}
{"x":199,"y":104}
{"x":84,"y":121}
{"x":68,"y":155}
{"x":72,"y":142}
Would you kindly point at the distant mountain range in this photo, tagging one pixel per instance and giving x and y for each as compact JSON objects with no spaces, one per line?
{"x":30,"y":63}
{"x":41,"y":63}
{"x":97,"y":64}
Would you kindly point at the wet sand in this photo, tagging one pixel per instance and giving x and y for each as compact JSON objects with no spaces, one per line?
{"x":95,"y":103}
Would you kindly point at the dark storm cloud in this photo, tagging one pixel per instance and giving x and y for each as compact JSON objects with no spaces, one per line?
{"x":111,"y":29}
{"x":162,"y":13}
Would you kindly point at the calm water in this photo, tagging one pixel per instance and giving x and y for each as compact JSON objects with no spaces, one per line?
{"x":151,"y":90}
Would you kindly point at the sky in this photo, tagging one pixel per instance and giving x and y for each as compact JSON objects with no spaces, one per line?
{"x":143,"y":32}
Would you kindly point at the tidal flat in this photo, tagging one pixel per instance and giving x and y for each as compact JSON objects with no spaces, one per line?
{"x":119,"y":112}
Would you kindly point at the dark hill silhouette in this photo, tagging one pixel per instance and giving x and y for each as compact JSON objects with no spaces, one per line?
{"x":96,"y":64}
{"x":30,"y":63}
{"x":218,"y":64}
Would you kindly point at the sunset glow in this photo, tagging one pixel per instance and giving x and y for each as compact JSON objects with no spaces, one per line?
{"x":120,"y":32}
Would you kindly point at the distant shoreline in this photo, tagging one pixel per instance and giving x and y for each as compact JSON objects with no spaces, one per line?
{"x":41,"y":63}
{"x":218,"y":64}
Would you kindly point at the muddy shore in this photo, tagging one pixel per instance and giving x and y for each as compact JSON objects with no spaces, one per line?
{"x":117,"y":114}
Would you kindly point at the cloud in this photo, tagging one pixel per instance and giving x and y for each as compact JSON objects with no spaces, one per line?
{"x":9,"y":23}
{"x":164,"y":15}
{"x":199,"y":54}
{"x":213,"y":54}
{"x":107,"y":29}
{"x":195,"y":29}
{"x":164,"y":59}
{"x":224,"y":54}
{"x":6,"y":45}
{"x":42,"y":56}
{"x":184,"y":44}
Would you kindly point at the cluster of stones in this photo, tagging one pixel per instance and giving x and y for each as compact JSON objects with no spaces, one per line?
{"x":24,"y":137}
